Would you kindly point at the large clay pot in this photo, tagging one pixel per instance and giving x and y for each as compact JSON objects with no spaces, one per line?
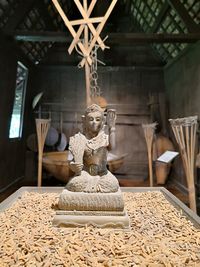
{"x":161,"y":145}
{"x":57,"y":164}
{"x":115,"y":162}
{"x":162,"y":170}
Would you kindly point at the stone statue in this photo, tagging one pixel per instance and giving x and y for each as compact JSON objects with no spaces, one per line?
{"x":93,"y":195}
{"x":89,"y":152}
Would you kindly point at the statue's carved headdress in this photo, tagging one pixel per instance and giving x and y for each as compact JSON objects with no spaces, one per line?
{"x":94,"y":108}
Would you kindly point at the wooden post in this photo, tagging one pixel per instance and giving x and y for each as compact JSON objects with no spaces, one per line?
{"x":184,"y":130}
{"x":149,"y":130}
{"x":87,"y":67}
{"x":42,"y":127}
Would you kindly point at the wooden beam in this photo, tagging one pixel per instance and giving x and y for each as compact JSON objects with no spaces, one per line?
{"x":23,"y":8}
{"x":184,"y":15}
{"x":131,"y":38}
{"x":114,"y":38}
{"x":163,"y":12}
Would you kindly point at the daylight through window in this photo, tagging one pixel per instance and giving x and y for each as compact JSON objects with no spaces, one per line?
{"x":18,"y":107}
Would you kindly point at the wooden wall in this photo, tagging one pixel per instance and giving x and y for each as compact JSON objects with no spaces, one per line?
{"x":182,"y":82}
{"x":12,"y":151}
{"x":125,"y":88}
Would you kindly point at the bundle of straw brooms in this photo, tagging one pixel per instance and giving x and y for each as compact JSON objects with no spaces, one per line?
{"x":149,"y":130}
{"x":184,"y":130}
{"x":42,"y":127}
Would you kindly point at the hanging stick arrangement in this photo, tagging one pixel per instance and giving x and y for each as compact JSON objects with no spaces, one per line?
{"x":149,"y":130}
{"x":42,"y":127}
{"x":184,"y":130}
{"x":86,"y":27}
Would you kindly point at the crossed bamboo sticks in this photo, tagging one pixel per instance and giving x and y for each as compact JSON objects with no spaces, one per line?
{"x":86,"y":44}
{"x":86,"y":21}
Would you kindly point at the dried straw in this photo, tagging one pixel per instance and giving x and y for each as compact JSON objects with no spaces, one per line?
{"x":149,"y":130}
{"x":42,"y":127}
{"x":184,"y":130}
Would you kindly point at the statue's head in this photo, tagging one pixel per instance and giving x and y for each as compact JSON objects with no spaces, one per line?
{"x":94,"y":119}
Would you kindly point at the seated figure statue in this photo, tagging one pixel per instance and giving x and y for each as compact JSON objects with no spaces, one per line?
{"x":93,"y":195}
{"x":89,"y":152}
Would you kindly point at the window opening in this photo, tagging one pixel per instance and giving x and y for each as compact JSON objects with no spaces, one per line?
{"x":19,"y":100}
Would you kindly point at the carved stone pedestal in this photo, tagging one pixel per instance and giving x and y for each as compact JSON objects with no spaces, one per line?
{"x":104,"y":210}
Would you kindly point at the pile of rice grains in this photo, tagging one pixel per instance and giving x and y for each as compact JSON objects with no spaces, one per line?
{"x":160,"y":236}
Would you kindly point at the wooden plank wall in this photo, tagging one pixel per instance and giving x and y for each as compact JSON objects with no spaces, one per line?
{"x":125,"y":88}
{"x":12,"y":151}
{"x":182,"y":79}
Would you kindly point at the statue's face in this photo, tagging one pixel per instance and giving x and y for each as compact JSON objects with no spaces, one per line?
{"x":94,"y":121}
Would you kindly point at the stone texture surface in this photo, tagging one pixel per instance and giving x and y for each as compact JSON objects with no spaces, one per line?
{"x":91,"y":201}
{"x":89,"y":184}
{"x":102,"y":221}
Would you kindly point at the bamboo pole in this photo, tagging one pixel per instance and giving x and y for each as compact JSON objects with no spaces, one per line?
{"x":87,"y":67}
{"x":42,"y":127}
{"x":149,"y":130}
{"x":185,"y":133}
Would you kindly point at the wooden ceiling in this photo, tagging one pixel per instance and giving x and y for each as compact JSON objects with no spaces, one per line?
{"x":167,"y":26}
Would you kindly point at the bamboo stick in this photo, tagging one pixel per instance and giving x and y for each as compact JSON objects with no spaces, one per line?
{"x":72,"y":31}
{"x":99,"y":29}
{"x":185,"y":133}
{"x":83,"y":12}
{"x":42,"y":127}
{"x":87,"y":20}
{"x":149,"y":130}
